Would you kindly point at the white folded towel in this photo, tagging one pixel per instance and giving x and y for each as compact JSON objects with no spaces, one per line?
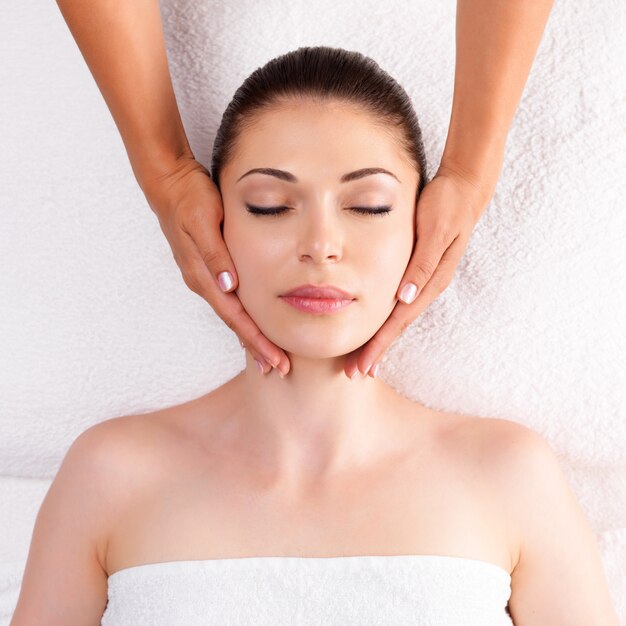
{"x":421,"y":590}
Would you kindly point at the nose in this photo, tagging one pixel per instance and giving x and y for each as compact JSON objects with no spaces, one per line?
{"x":320,"y":237}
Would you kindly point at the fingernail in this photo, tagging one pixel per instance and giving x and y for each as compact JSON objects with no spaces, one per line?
{"x":408,"y":293}
{"x":375,"y":370}
{"x":353,"y":374}
{"x":259,"y":365}
{"x":241,"y":343}
{"x":225,"y":280}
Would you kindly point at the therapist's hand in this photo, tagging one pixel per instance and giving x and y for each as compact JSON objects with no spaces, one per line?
{"x":189,"y":207}
{"x":448,"y":208}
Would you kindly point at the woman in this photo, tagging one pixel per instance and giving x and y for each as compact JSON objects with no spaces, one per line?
{"x":495,"y":45}
{"x":311,"y":498}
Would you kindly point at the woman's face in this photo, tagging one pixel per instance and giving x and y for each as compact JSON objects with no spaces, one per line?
{"x":318,"y":238}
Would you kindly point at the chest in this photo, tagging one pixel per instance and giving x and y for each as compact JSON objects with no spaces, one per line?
{"x":427,"y":505}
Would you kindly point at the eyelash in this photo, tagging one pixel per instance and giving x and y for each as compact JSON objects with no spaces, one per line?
{"x":276,"y":210}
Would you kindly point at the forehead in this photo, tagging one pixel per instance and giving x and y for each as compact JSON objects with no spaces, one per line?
{"x":332,"y":135}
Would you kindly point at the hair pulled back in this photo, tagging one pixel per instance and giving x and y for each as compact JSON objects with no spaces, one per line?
{"x":327,"y":74}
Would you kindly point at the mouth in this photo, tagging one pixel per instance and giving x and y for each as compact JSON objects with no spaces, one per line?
{"x":318,"y":299}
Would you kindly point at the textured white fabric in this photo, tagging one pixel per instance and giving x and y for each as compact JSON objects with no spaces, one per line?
{"x":422,"y":590}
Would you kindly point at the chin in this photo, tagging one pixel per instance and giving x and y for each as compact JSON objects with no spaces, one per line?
{"x":317,"y":343}
{"x":319,"y":337}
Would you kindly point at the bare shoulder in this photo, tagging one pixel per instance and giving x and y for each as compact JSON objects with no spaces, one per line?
{"x":558,"y":576}
{"x":496,"y":454}
{"x":108,"y":450}
{"x":496,"y":434}
{"x":500,"y":446}
{"x":65,"y":578}
{"x":136,"y":451}
{"x":123,"y":452}
{"x":511,"y":456}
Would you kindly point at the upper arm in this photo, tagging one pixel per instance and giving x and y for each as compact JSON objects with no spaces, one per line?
{"x":64,"y":580}
{"x":559,"y":579}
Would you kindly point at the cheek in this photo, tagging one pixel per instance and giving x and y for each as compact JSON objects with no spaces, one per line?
{"x":257,"y":259}
{"x":386,"y":260}
{"x":244,"y":248}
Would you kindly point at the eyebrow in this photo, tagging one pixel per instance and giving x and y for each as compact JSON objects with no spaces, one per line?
{"x":346,"y":178}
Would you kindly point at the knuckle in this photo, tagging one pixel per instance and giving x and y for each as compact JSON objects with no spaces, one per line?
{"x":192,"y":276}
{"x":210,"y":256}
{"x":190,"y":280}
{"x":424,"y":267}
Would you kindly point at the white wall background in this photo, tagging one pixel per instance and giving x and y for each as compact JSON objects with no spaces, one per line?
{"x":95,"y":320}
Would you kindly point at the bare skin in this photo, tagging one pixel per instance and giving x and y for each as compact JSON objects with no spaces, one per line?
{"x":209,"y":492}
{"x":189,"y":483}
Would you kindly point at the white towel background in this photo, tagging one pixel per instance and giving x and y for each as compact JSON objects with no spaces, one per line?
{"x":96,"y":321}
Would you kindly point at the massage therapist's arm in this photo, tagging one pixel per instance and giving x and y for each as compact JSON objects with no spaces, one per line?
{"x":123,"y":45}
{"x":496,"y":43}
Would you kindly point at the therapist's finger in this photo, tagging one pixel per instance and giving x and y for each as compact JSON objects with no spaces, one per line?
{"x":433,"y":265}
{"x":195,"y":261}
{"x":189,"y":206}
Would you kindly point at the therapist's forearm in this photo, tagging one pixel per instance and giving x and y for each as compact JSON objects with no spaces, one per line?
{"x":496,"y":43}
{"x":123,"y":45}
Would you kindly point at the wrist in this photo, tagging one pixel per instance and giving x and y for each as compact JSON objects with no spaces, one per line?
{"x":481,"y":174}
{"x":169,"y":182}
{"x":152,"y":167}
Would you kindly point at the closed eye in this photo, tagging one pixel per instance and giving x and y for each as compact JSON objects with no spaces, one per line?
{"x":275,"y":210}
{"x":271,"y":210}
{"x":377,"y":210}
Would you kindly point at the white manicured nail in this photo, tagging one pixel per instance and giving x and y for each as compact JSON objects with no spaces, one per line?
{"x":225,"y":280}
{"x":408,"y":293}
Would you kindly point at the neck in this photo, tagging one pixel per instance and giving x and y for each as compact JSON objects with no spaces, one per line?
{"x":315,"y":421}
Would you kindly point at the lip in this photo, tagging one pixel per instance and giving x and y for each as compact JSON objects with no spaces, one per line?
{"x":327,"y":292}
{"x":322,"y":299}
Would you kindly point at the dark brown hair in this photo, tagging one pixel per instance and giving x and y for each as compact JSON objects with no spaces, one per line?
{"x":322,"y":73}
